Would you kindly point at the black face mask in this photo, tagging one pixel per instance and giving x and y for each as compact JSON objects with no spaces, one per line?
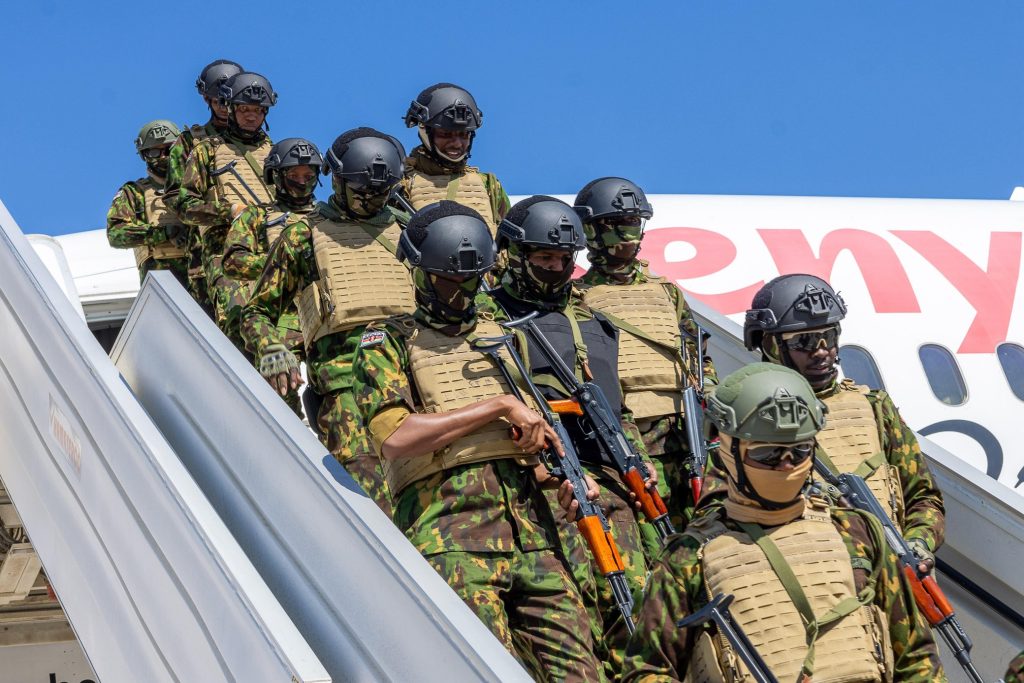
{"x":158,"y":167}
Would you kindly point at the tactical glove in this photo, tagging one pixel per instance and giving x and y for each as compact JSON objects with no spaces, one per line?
{"x":922,"y":552}
{"x":277,"y":360}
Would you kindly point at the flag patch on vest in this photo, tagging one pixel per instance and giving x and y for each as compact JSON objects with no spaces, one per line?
{"x":372,"y":338}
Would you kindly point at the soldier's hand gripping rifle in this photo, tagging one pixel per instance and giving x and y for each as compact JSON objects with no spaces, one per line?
{"x":606,"y":428}
{"x":230,"y":167}
{"x":718,"y":612}
{"x":929,"y":597}
{"x":693,"y":417}
{"x":590,"y":520}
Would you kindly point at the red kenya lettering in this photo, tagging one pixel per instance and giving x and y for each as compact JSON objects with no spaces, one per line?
{"x":714,"y":252}
{"x":991,"y":291}
{"x":887,"y":281}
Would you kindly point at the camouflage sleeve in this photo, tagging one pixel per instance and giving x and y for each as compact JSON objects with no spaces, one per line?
{"x":1015,"y":671}
{"x":689,"y":330}
{"x":925,"y":516}
{"x":916,"y":657}
{"x":659,"y":650}
{"x":176,"y":158}
{"x":380,"y":382}
{"x":632,"y":433}
{"x":715,"y":488}
{"x":244,"y":252}
{"x":500,"y":203}
{"x":287,"y":272}
{"x":197,"y":200}
{"x":126,"y":221}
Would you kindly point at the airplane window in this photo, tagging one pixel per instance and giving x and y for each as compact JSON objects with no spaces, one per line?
{"x":859,"y":366}
{"x":1011,"y":357}
{"x":943,"y":374}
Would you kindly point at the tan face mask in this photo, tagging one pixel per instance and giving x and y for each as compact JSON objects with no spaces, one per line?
{"x":778,"y":486}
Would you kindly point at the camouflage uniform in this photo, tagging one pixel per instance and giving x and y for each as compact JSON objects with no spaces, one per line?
{"x":609,"y":628}
{"x":128,"y":226}
{"x":659,"y":651}
{"x":924,"y":516}
{"x":177,"y":157}
{"x":290,"y":268}
{"x":200,"y":205}
{"x":245,"y":255}
{"x":1015,"y":672}
{"x":665,"y":437}
{"x":485,"y":528}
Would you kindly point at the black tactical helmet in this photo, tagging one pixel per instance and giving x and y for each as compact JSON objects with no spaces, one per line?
{"x":247,"y":87}
{"x":444,"y":105}
{"x":215,"y":73}
{"x":542,"y":222}
{"x":288,"y":153}
{"x":365,"y":159}
{"x":447,"y":238}
{"x":612,"y":197}
{"x":791,"y":302}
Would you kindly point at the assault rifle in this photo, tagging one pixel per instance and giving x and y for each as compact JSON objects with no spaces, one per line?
{"x":693,"y":417}
{"x":718,"y":611}
{"x":605,"y":427}
{"x":929,"y":597}
{"x":590,"y":520}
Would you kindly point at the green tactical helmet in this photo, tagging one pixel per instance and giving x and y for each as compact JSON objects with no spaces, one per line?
{"x":156,"y":134}
{"x":766,"y":402}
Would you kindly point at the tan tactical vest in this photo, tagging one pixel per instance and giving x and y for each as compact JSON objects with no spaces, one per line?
{"x":467,"y":189}
{"x":854,"y":648}
{"x":277,"y":221}
{"x":851,"y":441}
{"x":157,"y":215}
{"x":450,"y":374}
{"x":651,"y":374}
{"x":248,"y":164}
{"x":360,"y":282}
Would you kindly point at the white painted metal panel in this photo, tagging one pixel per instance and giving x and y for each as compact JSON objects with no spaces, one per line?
{"x":152,"y":582}
{"x":362,"y":596}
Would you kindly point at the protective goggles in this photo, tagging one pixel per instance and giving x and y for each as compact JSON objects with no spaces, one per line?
{"x":812,"y":340}
{"x":771,"y":454}
{"x":154,"y":152}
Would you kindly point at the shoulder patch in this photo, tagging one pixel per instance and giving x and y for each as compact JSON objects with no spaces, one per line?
{"x":372,"y":338}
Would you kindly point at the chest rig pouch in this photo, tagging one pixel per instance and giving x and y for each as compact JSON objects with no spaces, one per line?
{"x":467,"y":189}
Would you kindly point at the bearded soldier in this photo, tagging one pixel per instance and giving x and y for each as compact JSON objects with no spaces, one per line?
{"x":340,"y":262}
{"x":540,"y":237}
{"x":208,"y":84}
{"x":815,"y":588}
{"x":794,"y":320}
{"x":223,"y":175}
{"x":447,"y":118}
{"x":293,"y":168}
{"x":138,"y":218}
{"x":466,"y":495}
{"x":654,"y":364}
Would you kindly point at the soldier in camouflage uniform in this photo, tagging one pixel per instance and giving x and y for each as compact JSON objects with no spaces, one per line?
{"x":540,"y":237}
{"x":466,"y":495}
{"x":293,"y":168}
{"x":223,"y":175}
{"x":208,"y":84}
{"x":138,"y":219}
{"x":1015,"y":672}
{"x":657,"y":347}
{"x":447,"y":118}
{"x":794,"y":321}
{"x":815,"y":588}
{"x":339,"y":261}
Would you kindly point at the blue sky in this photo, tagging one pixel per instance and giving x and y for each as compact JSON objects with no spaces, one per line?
{"x":892,"y":99}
